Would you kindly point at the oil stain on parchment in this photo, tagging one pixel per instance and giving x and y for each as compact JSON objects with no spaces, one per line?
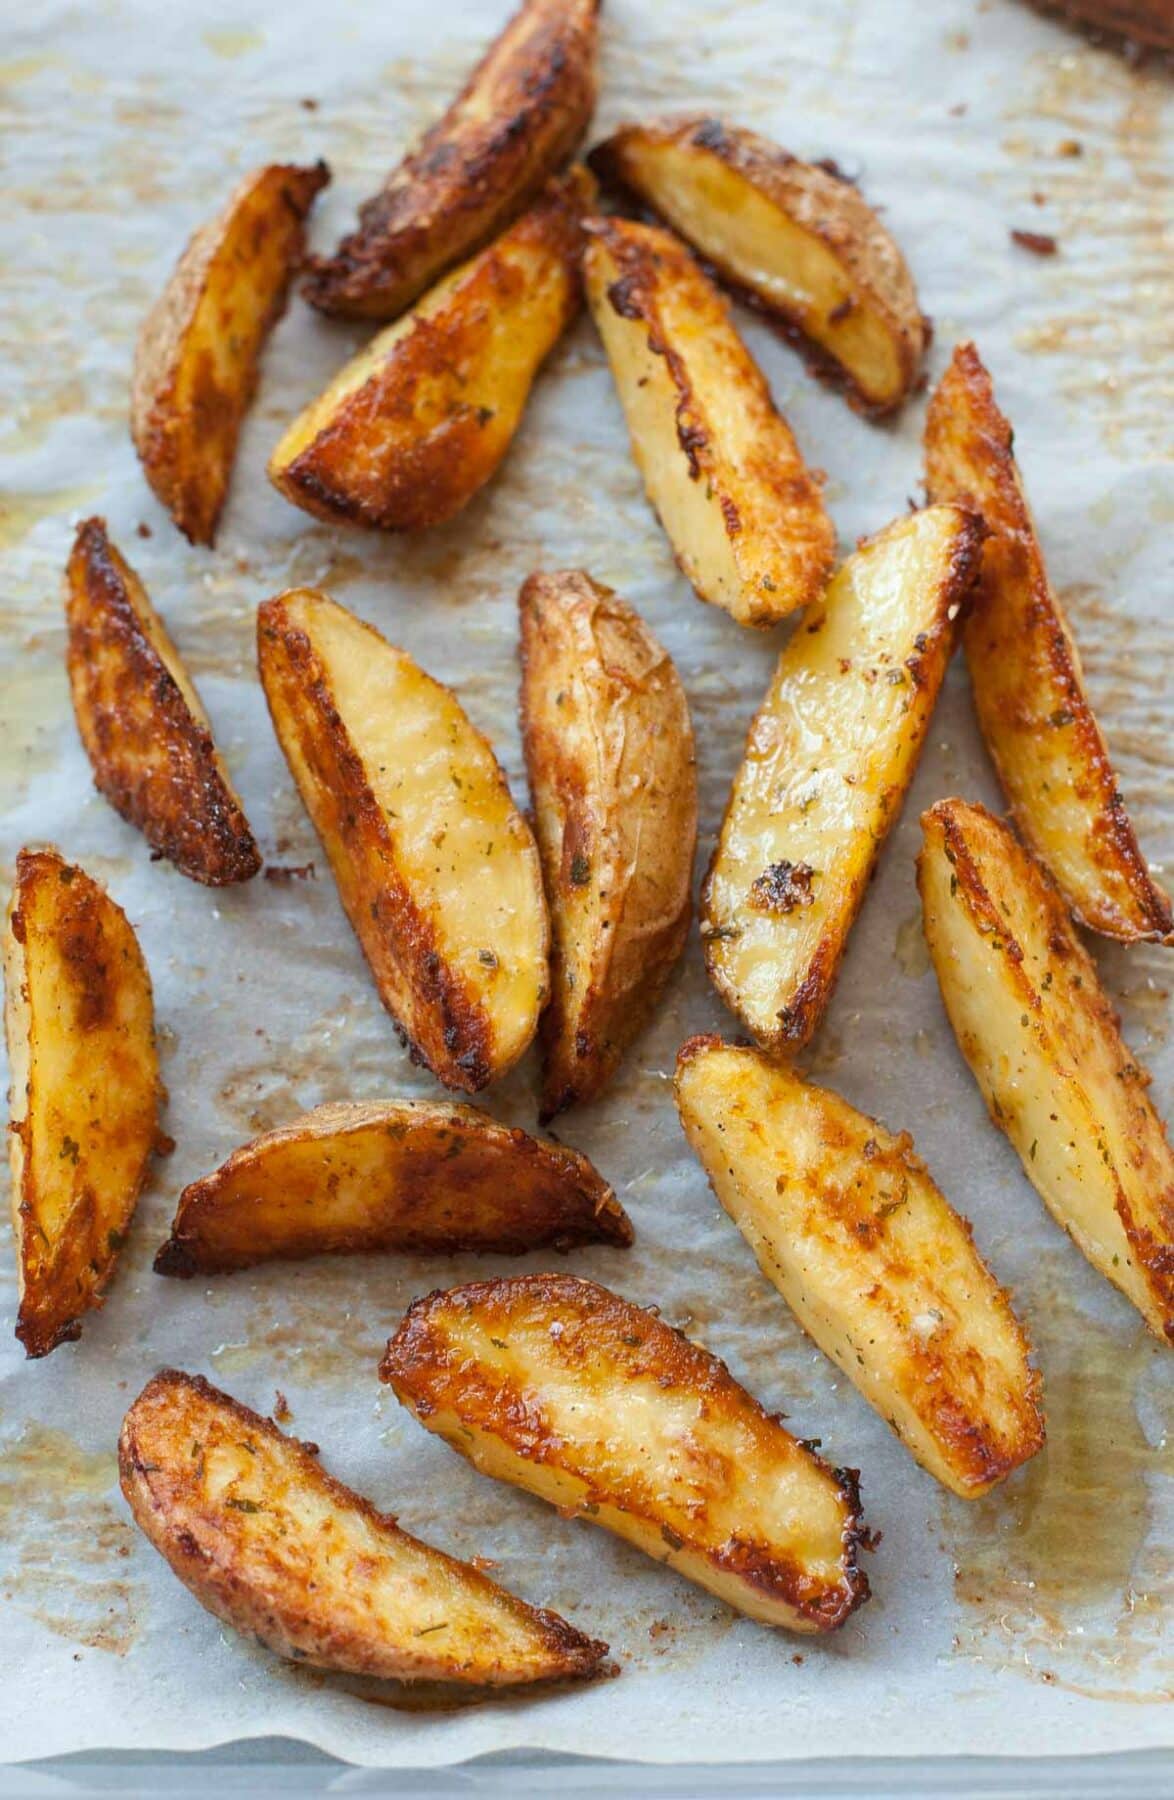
{"x":64,"y":1546}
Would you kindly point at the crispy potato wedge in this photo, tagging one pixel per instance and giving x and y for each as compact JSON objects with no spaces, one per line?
{"x":413,"y":1176}
{"x":199,"y":349}
{"x":1041,"y":1038}
{"x":519,"y":117}
{"x":741,"y":509}
{"x":145,"y":731}
{"x":269,"y":1542}
{"x":85,"y":1091}
{"x":794,"y":238}
{"x":1138,"y":21}
{"x":435,"y":865}
{"x":420,"y":419}
{"x":609,"y":750}
{"x":566,"y":1390}
{"x":872,"y":1259}
{"x":1026,"y":675}
{"x":830,"y":754}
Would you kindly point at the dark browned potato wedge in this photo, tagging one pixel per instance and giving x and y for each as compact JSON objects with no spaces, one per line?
{"x":742,"y":511}
{"x":831,"y":751}
{"x":592,"y":1403}
{"x":420,"y":419}
{"x":1138,"y":21}
{"x":266,"y":1540}
{"x":198,"y":352}
{"x":145,"y":731}
{"x":1041,"y":1038}
{"x":1025,"y":672}
{"x":85,"y":1091}
{"x":609,"y":750}
{"x":419,"y":1177}
{"x":794,"y":238}
{"x":871,"y":1257}
{"x":436,"y":867}
{"x":519,"y":117}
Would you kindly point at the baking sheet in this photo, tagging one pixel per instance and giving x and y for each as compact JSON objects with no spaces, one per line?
{"x":1029,"y":1622}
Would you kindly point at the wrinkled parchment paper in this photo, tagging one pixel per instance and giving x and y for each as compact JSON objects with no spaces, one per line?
{"x":1029,"y":1622}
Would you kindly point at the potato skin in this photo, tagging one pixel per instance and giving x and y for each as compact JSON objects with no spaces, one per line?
{"x":518,"y":118}
{"x":841,"y":287}
{"x":196,"y":362}
{"x":1042,"y":1041}
{"x":308,"y":1566}
{"x":609,"y":751}
{"x":877,"y":1266}
{"x":467,"y":1007}
{"x":85,"y":1091}
{"x":565,"y":1389}
{"x":1025,"y":673}
{"x":417,"y":1177}
{"x":742,"y":511}
{"x":420,"y":420}
{"x":140,"y":720}
{"x":1137,"y":21}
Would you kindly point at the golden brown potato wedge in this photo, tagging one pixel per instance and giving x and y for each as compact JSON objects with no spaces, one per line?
{"x":742,"y":511}
{"x":269,"y":1542}
{"x":420,"y":419}
{"x":1041,"y":1038}
{"x":609,"y":750}
{"x":1025,"y":672}
{"x":871,"y":1257}
{"x":198,"y":352}
{"x":794,"y":238}
{"x":521,"y":114}
{"x":145,"y":731}
{"x":830,"y":754}
{"x":435,"y":865}
{"x":413,"y":1176}
{"x":85,"y":1092}
{"x":593,"y":1404}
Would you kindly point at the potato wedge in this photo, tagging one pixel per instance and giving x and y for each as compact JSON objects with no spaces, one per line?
{"x":435,"y":865}
{"x":519,"y":117}
{"x":419,"y":1177}
{"x":85,"y":1091}
{"x":1137,"y":21}
{"x":197,"y":358}
{"x":872,"y":1259}
{"x":830,"y":754}
{"x":1041,"y":1038}
{"x":794,"y":238}
{"x":1025,"y":672}
{"x":741,"y":509}
{"x":609,"y":750}
{"x":420,"y":419}
{"x":591,"y":1403}
{"x":266,"y":1540}
{"x":145,"y":731}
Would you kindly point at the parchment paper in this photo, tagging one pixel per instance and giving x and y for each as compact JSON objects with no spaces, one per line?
{"x":1030,"y":1622}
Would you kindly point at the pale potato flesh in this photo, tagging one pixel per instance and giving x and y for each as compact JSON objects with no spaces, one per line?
{"x":269,"y":1542}
{"x":742,"y":511}
{"x":435,"y":865}
{"x":559,"y":1386}
{"x":1026,"y":677}
{"x":830,"y":754}
{"x":1041,"y":1038}
{"x":872,"y":1259}
{"x":84,"y":1095}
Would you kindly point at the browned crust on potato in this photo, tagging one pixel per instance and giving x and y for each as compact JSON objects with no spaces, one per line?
{"x":152,"y":757}
{"x":518,"y":118}
{"x":823,"y":203}
{"x":1149,"y":22}
{"x":457,"y":1181}
{"x":597,"y":1326}
{"x":180,"y":407}
{"x":1024,"y":666}
{"x":289,"y":1617}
